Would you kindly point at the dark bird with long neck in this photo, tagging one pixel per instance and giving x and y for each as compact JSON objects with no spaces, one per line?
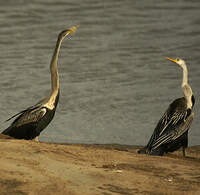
{"x":171,"y":132}
{"x":29,"y":123}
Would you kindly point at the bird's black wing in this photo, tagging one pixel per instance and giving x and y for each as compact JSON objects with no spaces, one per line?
{"x":35,"y":107}
{"x":175,"y":133}
{"x":173,"y":116}
{"x":24,"y":126}
{"x":29,"y":116}
{"x":22,"y":112}
{"x":162,"y":123}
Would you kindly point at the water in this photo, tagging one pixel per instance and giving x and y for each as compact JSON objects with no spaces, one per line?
{"x":115,"y":82}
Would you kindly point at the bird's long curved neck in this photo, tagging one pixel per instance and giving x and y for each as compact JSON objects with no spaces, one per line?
{"x":185,"y":76}
{"x":53,"y":68}
{"x":54,"y":77}
{"x":187,"y":91}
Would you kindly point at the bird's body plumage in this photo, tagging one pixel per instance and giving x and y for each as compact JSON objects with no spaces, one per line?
{"x":171,"y":132}
{"x":162,"y":141}
{"x":29,"y":123}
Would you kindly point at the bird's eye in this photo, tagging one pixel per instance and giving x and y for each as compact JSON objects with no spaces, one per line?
{"x":177,"y":59}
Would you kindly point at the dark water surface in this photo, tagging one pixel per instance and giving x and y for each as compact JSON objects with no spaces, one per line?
{"x":115,"y":82}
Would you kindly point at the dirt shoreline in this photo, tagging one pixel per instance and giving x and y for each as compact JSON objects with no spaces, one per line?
{"x":28,"y":167}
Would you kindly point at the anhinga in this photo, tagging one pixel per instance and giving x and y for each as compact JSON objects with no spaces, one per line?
{"x":171,"y":132}
{"x":29,"y":123}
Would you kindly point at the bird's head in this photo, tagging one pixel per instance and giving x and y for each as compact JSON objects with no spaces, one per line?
{"x":178,"y":61}
{"x":64,"y":33}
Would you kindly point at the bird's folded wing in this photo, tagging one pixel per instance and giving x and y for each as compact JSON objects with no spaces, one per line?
{"x":168,"y":121}
{"x":23,"y":111}
{"x":173,"y":135}
{"x":30,"y":116}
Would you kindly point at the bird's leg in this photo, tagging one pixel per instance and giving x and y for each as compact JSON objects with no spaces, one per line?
{"x":183,"y":151}
{"x":36,"y":139}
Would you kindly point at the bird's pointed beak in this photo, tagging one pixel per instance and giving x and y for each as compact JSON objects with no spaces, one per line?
{"x":173,"y":60}
{"x":72,"y":29}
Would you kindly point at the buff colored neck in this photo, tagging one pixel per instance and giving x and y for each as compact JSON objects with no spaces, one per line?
{"x":54,"y":76}
{"x":187,"y":91}
{"x":53,"y":68}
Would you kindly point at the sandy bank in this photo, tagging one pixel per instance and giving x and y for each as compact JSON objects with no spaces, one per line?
{"x":28,"y":167}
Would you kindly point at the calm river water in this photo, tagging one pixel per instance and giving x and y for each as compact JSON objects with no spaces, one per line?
{"x":115,"y":82}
